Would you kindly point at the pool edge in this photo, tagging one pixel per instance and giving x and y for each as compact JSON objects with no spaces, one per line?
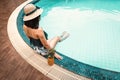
{"x":32,"y":58}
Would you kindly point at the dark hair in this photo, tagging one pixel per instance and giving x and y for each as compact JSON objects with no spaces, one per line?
{"x":34,"y":23}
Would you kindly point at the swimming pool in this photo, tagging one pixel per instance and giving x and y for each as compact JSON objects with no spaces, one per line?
{"x":94,"y":27}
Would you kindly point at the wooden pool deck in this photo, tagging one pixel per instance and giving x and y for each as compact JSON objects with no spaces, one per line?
{"x":12,"y":65}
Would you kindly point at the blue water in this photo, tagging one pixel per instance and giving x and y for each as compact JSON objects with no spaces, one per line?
{"x":94,"y":27}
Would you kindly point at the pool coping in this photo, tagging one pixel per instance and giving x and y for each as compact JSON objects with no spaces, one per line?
{"x":55,"y":72}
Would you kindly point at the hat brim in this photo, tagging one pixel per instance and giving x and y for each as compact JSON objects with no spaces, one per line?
{"x":33,"y":15}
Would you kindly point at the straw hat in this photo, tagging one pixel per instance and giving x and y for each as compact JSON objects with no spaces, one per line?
{"x":31,"y":12}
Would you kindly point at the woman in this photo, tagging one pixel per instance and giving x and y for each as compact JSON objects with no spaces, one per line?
{"x":38,"y":37}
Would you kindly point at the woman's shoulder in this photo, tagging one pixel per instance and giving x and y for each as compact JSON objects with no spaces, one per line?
{"x":40,"y":29}
{"x":25,"y":27}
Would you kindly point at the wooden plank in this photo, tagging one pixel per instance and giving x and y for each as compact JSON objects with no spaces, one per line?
{"x":12,"y":65}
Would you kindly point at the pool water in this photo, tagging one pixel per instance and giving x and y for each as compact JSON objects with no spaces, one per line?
{"x":94,"y":28}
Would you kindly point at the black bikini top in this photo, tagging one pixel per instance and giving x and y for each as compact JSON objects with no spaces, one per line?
{"x":37,"y":42}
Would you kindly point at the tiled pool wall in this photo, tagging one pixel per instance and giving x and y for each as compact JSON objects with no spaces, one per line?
{"x":73,"y":65}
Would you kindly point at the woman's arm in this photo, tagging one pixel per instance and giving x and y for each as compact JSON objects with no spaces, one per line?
{"x":42,"y":38}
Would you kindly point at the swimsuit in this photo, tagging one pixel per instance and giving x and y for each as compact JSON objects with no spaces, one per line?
{"x":38,"y":46}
